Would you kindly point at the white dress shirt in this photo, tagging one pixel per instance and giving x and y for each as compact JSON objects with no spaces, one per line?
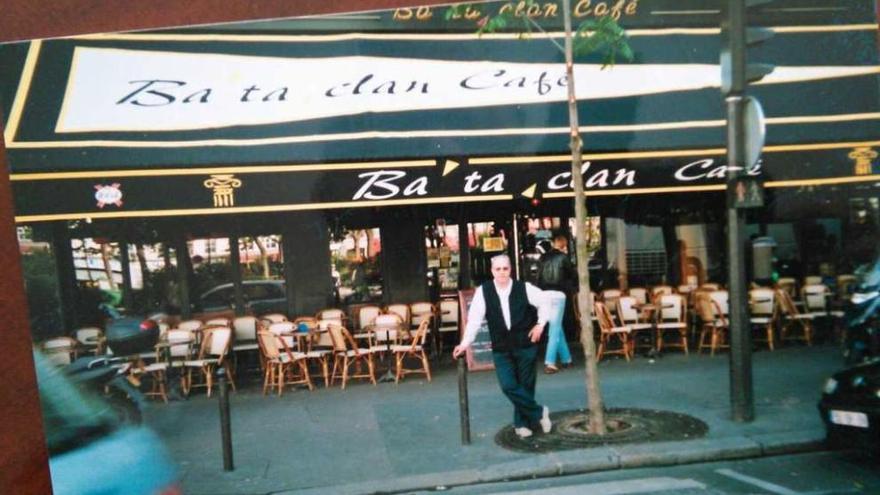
{"x":477,"y":311}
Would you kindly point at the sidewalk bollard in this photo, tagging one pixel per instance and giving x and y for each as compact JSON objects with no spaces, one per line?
{"x":463,"y":402}
{"x":225,"y":428}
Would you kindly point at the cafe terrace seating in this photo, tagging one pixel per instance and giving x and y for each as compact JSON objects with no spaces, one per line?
{"x":764,"y":314}
{"x":793,"y":320}
{"x":332,"y":314}
{"x":415,"y":350}
{"x":387,"y":330}
{"x":609,"y":334}
{"x":280,"y":363}
{"x":401,"y":310}
{"x":318,"y":346}
{"x":639,"y":293}
{"x":215,"y":345}
{"x":347,"y":353}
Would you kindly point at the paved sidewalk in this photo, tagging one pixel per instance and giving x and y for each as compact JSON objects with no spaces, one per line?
{"x":391,"y":437}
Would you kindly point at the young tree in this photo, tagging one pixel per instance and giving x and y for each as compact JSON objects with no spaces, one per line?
{"x":595,"y":35}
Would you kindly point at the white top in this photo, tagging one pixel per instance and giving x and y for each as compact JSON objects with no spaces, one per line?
{"x":477,"y":311}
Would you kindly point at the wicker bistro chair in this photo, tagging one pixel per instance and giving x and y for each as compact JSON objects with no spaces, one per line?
{"x":401,"y":310}
{"x":245,"y":335}
{"x":280,"y":363}
{"x":90,"y":339}
{"x":659,"y":290}
{"x":609,"y":297}
{"x":713,"y":321}
{"x":416,"y":350}
{"x":218,"y":322}
{"x":764,"y":314}
{"x":634,"y":319}
{"x":332,"y":314}
{"x":609,"y":332}
{"x":672,"y":316}
{"x":366,"y":315}
{"x":639,"y":293}
{"x":60,"y":350}
{"x":190,"y":325}
{"x":345,"y":353}
{"x":215,"y":345}
{"x":793,"y":319}
{"x":447,"y":312}
{"x":317,"y":346}
{"x":387,"y":330}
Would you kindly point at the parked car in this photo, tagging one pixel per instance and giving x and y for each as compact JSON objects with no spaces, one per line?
{"x":260,"y":296}
{"x":850,"y":407}
{"x":91,"y":451}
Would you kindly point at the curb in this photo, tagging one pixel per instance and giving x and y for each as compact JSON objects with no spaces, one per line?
{"x":592,"y":460}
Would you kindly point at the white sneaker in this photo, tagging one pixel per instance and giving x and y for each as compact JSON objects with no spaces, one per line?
{"x":523,"y":432}
{"x":546,"y":424}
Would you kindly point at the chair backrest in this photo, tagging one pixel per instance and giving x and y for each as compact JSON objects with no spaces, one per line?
{"x":762,"y":301}
{"x":340,"y":338}
{"x":685,"y":289}
{"x":786,"y":303}
{"x":331,"y":314}
{"x":672,"y":307}
{"x":421,"y":333}
{"x":721,"y":298}
{"x":814,"y":296}
{"x":603,"y":317}
{"x":609,"y":296}
{"x":659,"y":290}
{"x":86,"y":335}
{"x":640,"y":293}
{"x":366,"y":315}
{"x":180,"y":343}
{"x":284,"y":329}
{"x":190,"y":325}
{"x":626,"y":310}
{"x":703,"y":306}
{"x":812,"y":280}
{"x":401,"y":310}
{"x":271,"y":318}
{"x":419,"y":311}
{"x":269,"y":344}
{"x":245,"y":328}
{"x":387,"y":327}
{"x":215,"y":342}
{"x":218,"y":322}
{"x":710,"y":286}
{"x":449,"y":312}
{"x":59,"y":350}
{"x":787,"y":285}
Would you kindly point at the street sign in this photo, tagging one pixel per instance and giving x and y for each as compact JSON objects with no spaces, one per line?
{"x":748,"y":192}
{"x":755,"y":130}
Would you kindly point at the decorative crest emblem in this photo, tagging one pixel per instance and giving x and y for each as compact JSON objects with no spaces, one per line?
{"x":863,"y":158}
{"x":108,"y":194}
{"x":224,"y":187}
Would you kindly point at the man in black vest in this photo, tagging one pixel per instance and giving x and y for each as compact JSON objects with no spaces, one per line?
{"x":516,"y":313}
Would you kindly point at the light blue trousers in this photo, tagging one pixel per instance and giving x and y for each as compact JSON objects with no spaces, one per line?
{"x":557,"y":348}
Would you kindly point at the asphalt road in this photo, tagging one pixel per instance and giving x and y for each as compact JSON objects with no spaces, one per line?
{"x":822,"y":473}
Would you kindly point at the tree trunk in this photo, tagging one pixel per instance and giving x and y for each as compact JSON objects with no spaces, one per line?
{"x":584,"y":299}
{"x":264,"y":258}
{"x":142,"y":262}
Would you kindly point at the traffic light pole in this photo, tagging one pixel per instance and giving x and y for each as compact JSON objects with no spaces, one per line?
{"x":741,"y":397}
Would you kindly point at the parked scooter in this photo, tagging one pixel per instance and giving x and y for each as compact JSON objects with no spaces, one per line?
{"x":863,"y":317}
{"x":108,"y":375}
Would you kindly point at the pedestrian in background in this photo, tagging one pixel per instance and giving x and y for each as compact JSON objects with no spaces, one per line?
{"x":516,"y":313}
{"x":558,"y":278}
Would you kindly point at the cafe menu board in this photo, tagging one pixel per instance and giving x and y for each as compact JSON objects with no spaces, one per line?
{"x":479,"y":356}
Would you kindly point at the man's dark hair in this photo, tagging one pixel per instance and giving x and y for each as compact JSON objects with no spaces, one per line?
{"x":560,"y":234}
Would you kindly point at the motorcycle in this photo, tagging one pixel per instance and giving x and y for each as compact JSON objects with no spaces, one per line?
{"x":108,"y":375}
{"x":863,"y":317}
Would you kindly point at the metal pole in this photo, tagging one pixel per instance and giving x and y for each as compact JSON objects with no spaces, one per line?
{"x":463,"y":402}
{"x":225,"y":427}
{"x":741,"y":397}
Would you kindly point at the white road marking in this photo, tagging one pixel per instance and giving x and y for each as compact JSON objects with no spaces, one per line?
{"x":764,"y":485}
{"x":625,"y":487}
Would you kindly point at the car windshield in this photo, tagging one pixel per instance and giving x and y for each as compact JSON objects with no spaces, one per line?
{"x":70,"y":418}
